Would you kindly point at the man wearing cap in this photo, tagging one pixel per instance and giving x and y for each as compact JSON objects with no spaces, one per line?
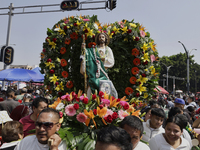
{"x":181,"y":103}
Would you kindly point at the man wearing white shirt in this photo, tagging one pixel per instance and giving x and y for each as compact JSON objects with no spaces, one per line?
{"x":46,"y":138}
{"x":133,"y":125}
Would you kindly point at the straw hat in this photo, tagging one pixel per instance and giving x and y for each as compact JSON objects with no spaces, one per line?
{"x":4,"y":117}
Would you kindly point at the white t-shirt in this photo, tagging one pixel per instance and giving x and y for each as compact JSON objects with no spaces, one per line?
{"x":159,"y":143}
{"x":141,"y":146}
{"x":31,"y":143}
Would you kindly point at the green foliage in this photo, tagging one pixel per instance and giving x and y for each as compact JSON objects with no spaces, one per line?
{"x":179,"y":69}
{"x":124,"y":37}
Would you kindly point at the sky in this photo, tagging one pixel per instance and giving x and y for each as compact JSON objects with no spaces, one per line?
{"x":168,"y":22}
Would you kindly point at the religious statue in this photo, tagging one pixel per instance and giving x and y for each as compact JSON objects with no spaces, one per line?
{"x":94,"y":65}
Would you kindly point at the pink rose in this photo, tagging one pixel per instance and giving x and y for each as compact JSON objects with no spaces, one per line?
{"x":105,"y":102}
{"x":122,"y":114}
{"x":70,"y":110}
{"x":81,"y":117}
{"x":142,"y":33}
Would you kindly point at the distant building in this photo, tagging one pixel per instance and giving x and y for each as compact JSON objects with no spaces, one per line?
{"x":21,"y":67}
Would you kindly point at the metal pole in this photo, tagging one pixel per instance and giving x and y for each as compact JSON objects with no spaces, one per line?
{"x":174,"y":85}
{"x":195,"y":81}
{"x":167,"y":79}
{"x":8,"y":35}
{"x":188,"y":80}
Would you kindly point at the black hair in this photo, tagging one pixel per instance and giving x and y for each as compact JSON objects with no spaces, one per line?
{"x":152,"y":102}
{"x":158,"y":112}
{"x":133,"y":122}
{"x":24,"y":90}
{"x":37,"y":100}
{"x":192,"y":98}
{"x":179,"y":119}
{"x":10,"y":92}
{"x":50,"y":110}
{"x":146,"y":110}
{"x":190,"y":108}
{"x":174,"y":111}
{"x":116,"y":136}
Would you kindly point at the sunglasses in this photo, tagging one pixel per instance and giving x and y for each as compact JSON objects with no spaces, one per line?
{"x":45,"y":124}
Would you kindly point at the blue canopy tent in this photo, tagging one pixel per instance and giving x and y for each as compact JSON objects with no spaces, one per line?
{"x":20,"y":75}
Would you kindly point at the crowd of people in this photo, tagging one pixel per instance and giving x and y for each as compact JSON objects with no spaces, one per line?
{"x":26,"y":122}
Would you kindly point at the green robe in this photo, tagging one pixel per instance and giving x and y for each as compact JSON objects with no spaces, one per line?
{"x":91,"y":69}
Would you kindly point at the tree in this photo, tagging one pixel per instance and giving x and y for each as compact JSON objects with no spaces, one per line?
{"x":179,"y":69}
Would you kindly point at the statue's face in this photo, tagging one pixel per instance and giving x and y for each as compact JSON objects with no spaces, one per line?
{"x":102,"y":38}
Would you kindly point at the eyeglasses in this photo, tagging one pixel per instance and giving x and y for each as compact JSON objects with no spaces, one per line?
{"x":45,"y":124}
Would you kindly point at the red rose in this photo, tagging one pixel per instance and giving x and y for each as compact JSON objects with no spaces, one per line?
{"x":143,"y":75}
{"x":86,"y":31}
{"x":95,"y":112}
{"x":94,"y":96}
{"x":85,"y":100}
{"x":54,"y":40}
{"x":129,"y":31}
{"x":137,"y":94}
{"x":139,"y":82}
{"x":65,"y":27}
{"x":100,"y":106}
{"x":137,"y":38}
{"x":61,"y":114}
{"x":113,"y":32}
{"x":108,"y":118}
{"x":56,"y":83}
{"x":20,"y":101}
{"x":101,"y":94}
{"x":60,"y":93}
{"x":114,"y":115}
{"x":75,"y":24}
{"x":52,"y":71}
{"x":44,"y":50}
{"x":49,"y":60}
{"x":145,"y":63}
{"x":76,"y":106}
{"x":47,"y":39}
{"x":118,"y":100}
{"x":126,"y":106}
{"x":93,"y":37}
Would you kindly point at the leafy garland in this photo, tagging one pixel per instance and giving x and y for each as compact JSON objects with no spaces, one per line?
{"x":136,"y":68}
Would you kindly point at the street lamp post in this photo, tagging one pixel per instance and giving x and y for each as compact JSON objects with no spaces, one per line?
{"x":168,"y":67}
{"x":188,"y":69}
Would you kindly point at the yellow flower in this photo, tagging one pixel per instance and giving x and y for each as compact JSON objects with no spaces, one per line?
{"x":78,"y":23}
{"x":145,"y":57}
{"x":153,"y":71}
{"x":58,"y":59}
{"x":53,"y":78}
{"x":90,"y":32}
{"x":61,"y":120}
{"x":142,"y":79}
{"x":133,"y":25}
{"x":60,"y":87}
{"x":146,"y":95}
{"x":110,"y":34}
{"x":50,"y":65}
{"x":152,"y":45}
{"x":146,"y":70}
{"x":151,"y":67}
{"x":124,"y":30}
{"x":116,"y":30}
{"x":145,"y":47}
{"x":61,"y":32}
{"x":126,"y":39}
{"x":133,"y":38}
{"x":53,"y":45}
{"x":141,"y":89}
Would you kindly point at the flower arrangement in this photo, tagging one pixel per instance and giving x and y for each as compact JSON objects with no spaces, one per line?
{"x":83,"y":117}
{"x":136,"y":70}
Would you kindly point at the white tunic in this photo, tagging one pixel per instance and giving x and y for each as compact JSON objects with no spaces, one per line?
{"x":141,"y":146}
{"x":31,"y":143}
{"x":159,"y":143}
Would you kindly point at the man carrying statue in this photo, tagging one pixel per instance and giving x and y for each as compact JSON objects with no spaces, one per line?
{"x":98,"y":60}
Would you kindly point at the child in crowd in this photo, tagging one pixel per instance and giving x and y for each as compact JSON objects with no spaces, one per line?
{"x":153,"y":126}
{"x":171,"y":139}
